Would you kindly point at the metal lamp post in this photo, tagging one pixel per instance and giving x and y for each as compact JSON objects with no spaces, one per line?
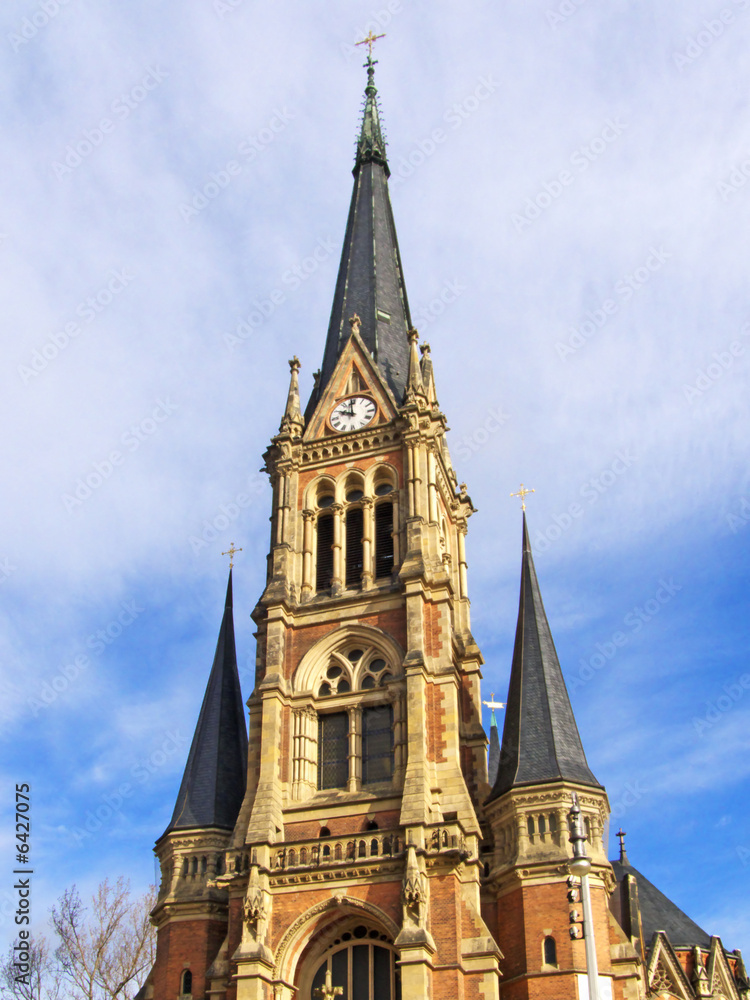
{"x":581,"y":866}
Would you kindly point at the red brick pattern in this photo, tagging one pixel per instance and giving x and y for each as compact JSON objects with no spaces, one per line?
{"x":436,"y":728}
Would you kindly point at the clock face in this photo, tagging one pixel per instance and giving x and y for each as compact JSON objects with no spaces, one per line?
{"x":353,"y":413}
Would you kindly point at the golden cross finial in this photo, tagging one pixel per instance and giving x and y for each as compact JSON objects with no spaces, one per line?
{"x":369,"y":41}
{"x":328,"y":991}
{"x":523,"y":493}
{"x":492,"y":703}
{"x":231,"y":552}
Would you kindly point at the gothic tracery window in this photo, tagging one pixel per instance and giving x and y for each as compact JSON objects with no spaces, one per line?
{"x":363,"y":964}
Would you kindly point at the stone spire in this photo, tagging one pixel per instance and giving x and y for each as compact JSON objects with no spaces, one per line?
{"x":541,"y":742}
{"x":213,"y":784}
{"x":493,"y":761}
{"x":371,"y":144}
{"x":370,"y":282}
{"x":293,"y":422}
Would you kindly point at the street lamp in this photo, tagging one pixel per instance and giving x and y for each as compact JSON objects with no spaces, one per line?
{"x":581,"y":866}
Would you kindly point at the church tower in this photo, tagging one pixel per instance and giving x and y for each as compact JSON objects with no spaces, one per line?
{"x":538,"y":903}
{"x":356,"y":854}
{"x":353,"y":846}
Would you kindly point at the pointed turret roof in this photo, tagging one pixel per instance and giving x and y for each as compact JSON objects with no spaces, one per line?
{"x":493,"y":761}
{"x":541,"y":742}
{"x":659,"y":913}
{"x":213,"y":784}
{"x":370,"y":282}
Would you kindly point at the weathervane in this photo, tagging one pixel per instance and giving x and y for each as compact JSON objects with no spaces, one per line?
{"x":369,"y":42}
{"x":523,"y":493}
{"x":231,"y":553}
{"x":492,"y":703}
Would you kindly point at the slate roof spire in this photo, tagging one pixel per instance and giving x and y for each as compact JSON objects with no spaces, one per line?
{"x":370,"y":281}
{"x":213,"y":784}
{"x":493,"y":760}
{"x":541,"y":742}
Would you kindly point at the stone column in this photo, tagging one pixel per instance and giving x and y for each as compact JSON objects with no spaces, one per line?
{"x":337,"y":582}
{"x":355,"y":748}
{"x":308,"y":517}
{"x":368,"y":537}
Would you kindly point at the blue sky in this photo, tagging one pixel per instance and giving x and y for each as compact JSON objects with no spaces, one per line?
{"x":571,"y":185}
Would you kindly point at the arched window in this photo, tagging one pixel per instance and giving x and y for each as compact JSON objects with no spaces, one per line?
{"x":384,"y":539}
{"x":333,"y":750}
{"x":530,"y":828}
{"x":362,"y":968}
{"x":355,"y":527}
{"x":550,"y":951}
{"x":187,"y":983}
{"x":377,"y":744}
{"x":324,"y":569}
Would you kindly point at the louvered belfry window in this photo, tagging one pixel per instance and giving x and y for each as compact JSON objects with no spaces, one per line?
{"x":383,"y":539}
{"x":355,"y":526}
{"x":324,"y":569}
{"x":377,"y":744}
{"x":333,"y":750}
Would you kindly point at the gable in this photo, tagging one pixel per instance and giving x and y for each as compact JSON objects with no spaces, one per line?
{"x":355,"y":374}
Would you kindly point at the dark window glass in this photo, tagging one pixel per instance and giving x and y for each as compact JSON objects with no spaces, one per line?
{"x":354,"y":530}
{"x":326,"y":501}
{"x":383,"y":539}
{"x":382,"y":972}
{"x":324,"y":573}
{"x":353,"y":495}
{"x":333,"y":750}
{"x":361,"y":971}
{"x":187,"y":981}
{"x":377,"y":744}
{"x":550,"y":951}
{"x":383,"y":490}
{"x":339,"y":965}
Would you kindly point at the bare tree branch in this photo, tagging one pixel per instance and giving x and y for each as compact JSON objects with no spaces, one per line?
{"x":39,"y":978}
{"x":106,"y":955}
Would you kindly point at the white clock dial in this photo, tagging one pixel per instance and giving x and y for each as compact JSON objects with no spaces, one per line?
{"x":353,"y":413}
